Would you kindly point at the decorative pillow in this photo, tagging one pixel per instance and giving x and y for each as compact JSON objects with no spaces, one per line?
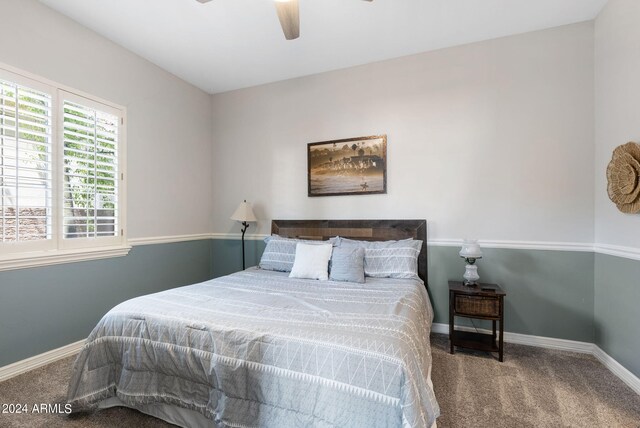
{"x":312,"y":261}
{"x":347,"y":264}
{"x":280,"y":252}
{"x":388,"y":259}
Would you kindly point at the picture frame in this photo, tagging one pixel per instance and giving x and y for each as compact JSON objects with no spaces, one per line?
{"x":350,"y":166}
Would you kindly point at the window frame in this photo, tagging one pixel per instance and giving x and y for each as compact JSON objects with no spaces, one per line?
{"x":59,"y":249}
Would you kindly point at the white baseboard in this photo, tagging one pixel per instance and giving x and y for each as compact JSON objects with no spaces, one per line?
{"x":560,"y":344}
{"x":615,"y":367}
{"x":40,"y":360}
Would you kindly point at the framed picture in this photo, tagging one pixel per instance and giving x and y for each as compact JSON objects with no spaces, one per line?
{"x":353,"y":166}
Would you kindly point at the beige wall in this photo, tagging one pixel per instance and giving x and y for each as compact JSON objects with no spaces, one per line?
{"x":617,"y":97}
{"x":491,"y":140}
{"x":617,"y":94}
{"x":169,"y":121}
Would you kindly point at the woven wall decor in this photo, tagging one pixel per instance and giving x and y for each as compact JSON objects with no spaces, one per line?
{"x":623,"y":178}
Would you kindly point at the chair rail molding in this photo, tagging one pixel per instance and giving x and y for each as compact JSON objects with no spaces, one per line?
{"x":612,"y":250}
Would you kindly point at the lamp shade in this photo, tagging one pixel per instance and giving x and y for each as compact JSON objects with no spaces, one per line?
{"x":244,"y":212}
{"x":471,"y":249}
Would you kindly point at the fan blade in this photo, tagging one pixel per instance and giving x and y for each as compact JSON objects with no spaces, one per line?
{"x":288,"y":14}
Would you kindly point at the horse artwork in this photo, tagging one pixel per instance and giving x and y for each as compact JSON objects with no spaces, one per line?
{"x":352,"y":166}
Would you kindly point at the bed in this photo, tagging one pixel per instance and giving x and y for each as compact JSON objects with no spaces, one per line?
{"x":259,"y":349}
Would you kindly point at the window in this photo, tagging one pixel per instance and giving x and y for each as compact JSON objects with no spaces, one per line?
{"x":61,"y":174}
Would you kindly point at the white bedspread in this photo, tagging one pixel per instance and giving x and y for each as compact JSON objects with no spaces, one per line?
{"x":257,"y":348}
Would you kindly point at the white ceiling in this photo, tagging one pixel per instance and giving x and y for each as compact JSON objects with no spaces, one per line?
{"x":230,"y":44}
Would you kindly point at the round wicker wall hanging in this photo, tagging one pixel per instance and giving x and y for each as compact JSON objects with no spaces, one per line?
{"x":623,"y":178}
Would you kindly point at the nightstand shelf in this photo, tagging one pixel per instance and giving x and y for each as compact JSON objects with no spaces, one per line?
{"x":483,"y":301}
{"x":478,"y":341}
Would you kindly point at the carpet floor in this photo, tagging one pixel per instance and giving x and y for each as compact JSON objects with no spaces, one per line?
{"x":533,"y":387}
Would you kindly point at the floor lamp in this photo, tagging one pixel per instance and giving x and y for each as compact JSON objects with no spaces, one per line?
{"x":244,"y":214}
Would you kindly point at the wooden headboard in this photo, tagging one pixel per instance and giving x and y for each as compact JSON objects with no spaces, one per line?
{"x":364,"y":230}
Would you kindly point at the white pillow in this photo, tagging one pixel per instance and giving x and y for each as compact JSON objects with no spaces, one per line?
{"x":312,"y":261}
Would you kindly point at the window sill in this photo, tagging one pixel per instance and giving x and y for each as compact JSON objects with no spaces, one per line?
{"x":55,"y":257}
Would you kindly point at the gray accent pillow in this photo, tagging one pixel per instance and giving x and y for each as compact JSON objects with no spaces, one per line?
{"x":388,"y":259}
{"x":347,"y":264}
{"x":280,"y":252}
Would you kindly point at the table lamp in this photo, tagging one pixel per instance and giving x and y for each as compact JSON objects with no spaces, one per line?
{"x":244,"y":214}
{"x":471,"y":252}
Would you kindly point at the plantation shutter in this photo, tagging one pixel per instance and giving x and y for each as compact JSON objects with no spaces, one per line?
{"x":90,"y":178}
{"x":25,"y":163}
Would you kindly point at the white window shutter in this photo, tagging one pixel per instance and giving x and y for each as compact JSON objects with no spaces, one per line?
{"x":90,"y":187}
{"x":26,"y":185}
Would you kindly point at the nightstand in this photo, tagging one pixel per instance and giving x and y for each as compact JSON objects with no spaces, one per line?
{"x":482,"y":301}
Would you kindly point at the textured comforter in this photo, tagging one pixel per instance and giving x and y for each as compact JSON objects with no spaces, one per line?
{"x":259,"y":349}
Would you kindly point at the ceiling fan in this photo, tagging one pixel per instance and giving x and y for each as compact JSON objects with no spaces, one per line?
{"x":288,"y":14}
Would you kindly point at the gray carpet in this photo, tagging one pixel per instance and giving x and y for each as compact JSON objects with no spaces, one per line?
{"x":534,"y":387}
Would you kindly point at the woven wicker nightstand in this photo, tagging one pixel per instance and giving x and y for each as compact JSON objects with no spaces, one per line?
{"x":483,"y":301}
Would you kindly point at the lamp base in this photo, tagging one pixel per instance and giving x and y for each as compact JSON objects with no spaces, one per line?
{"x":471,"y":276}
{"x":245,"y":226}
